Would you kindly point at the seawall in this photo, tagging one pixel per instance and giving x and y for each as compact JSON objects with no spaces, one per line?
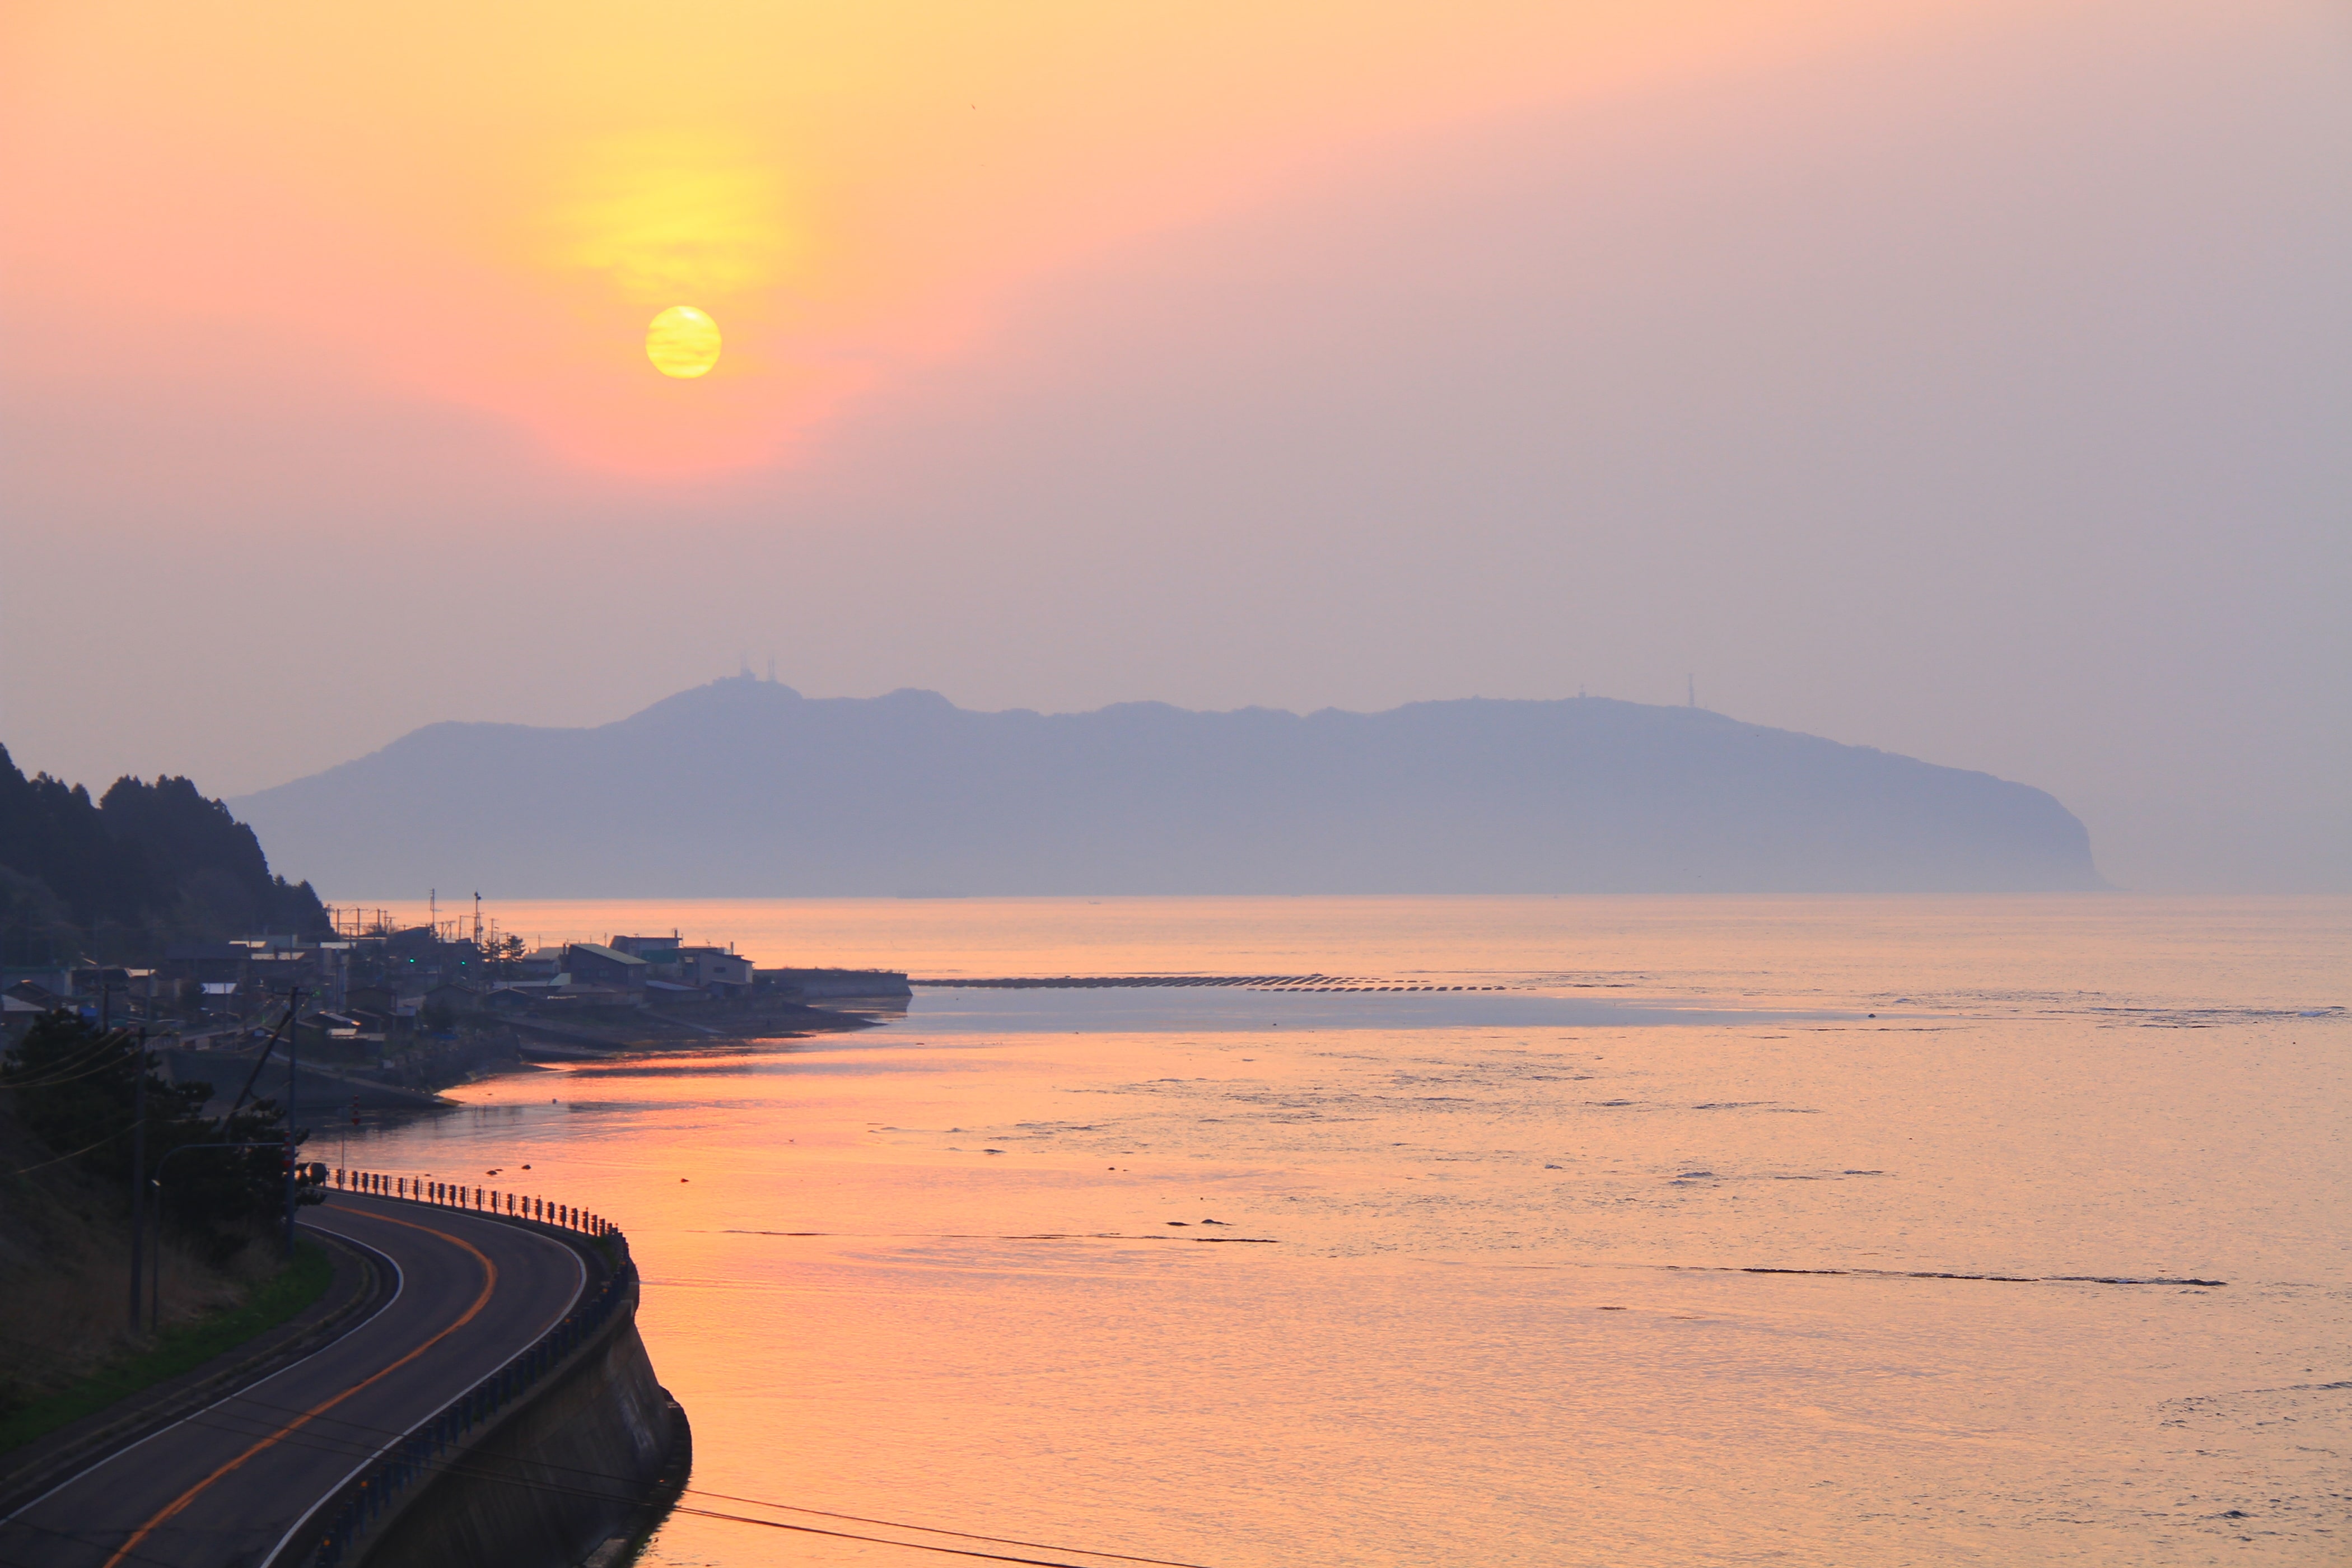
{"x":571,"y":1470}
{"x":580,"y":1461}
{"x":323,"y":1089}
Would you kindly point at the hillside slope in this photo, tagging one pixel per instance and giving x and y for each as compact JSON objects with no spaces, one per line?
{"x":744,"y":788}
{"x":120,"y":877}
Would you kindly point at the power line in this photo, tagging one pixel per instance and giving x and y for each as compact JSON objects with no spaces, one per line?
{"x":61,"y":1079}
{"x":908,"y":1546}
{"x":28,"y":1169}
{"x":80,"y":1538}
{"x":93,"y":1052}
{"x":933,"y":1530}
{"x":320,"y":1441}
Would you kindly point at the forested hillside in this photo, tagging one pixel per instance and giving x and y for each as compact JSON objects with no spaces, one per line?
{"x":116,"y":878}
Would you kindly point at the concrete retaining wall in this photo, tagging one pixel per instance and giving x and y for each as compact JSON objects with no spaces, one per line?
{"x":324,"y":1089}
{"x":570,"y":1468}
{"x":572,"y":1450}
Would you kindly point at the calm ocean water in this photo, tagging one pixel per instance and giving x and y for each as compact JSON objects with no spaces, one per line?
{"x":1236,"y":1278}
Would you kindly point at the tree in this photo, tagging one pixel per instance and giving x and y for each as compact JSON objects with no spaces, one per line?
{"x":148,"y":863}
{"x":77,"y":1088}
{"x":205,"y":857}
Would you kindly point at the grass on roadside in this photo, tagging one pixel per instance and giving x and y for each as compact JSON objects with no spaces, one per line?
{"x":179,"y":1348}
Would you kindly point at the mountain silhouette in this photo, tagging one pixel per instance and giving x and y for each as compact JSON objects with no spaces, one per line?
{"x":745,"y":788}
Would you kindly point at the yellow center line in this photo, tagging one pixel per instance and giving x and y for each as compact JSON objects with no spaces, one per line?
{"x":489,"y":1283}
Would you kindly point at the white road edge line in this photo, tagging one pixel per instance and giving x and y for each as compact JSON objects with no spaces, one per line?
{"x":400,"y":1283}
{"x":578,"y":1287}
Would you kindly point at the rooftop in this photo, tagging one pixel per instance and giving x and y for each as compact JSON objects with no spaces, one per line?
{"x":612,"y":955}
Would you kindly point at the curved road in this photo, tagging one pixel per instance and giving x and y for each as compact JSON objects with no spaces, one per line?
{"x":226,"y":1486}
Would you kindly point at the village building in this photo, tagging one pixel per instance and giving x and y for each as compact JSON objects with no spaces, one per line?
{"x":453,"y":997}
{"x":715,"y":970}
{"x":661,"y":951}
{"x":540,"y":964}
{"x":592,"y":964}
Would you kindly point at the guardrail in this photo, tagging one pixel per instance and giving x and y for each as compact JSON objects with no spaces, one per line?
{"x":473,"y":1200}
{"x":369,"y":1497}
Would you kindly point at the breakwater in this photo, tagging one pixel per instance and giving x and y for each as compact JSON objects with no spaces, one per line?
{"x":1129,"y":982}
{"x":568,"y":1447}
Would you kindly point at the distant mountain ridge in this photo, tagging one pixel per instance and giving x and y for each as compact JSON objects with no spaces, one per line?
{"x":745,"y":788}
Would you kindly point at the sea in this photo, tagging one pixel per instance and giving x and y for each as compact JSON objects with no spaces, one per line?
{"x":1487,"y":1230}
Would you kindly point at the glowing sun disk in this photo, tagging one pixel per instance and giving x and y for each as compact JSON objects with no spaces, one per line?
{"x":682,"y":341}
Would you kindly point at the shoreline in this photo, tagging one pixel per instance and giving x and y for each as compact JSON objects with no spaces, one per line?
{"x":414,"y":1078}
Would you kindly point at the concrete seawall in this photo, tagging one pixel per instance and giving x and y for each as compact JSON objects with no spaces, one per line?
{"x":581,"y":1467}
{"x":324,"y":1089}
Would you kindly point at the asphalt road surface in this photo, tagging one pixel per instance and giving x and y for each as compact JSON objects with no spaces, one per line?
{"x":226,"y":1487}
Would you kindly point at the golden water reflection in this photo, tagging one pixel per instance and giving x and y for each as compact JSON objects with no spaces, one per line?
{"x":1483,"y":1294}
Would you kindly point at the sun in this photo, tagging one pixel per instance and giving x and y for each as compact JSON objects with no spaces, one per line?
{"x":682,"y":341}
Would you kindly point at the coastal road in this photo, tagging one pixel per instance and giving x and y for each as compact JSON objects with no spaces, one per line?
{"x":225,"y":1487}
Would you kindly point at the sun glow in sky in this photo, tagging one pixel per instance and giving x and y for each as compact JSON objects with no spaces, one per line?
{"x":1952,"y":376}
{"x":683,"y":342}
{"x":481,"y":208}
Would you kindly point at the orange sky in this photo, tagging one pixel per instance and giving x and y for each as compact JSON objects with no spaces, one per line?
{"x":1955,"y":376}
{"x":485,"y":207}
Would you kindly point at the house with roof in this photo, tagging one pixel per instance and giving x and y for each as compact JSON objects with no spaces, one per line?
{"x":715,"y":970}
{"x":34,"y":995}
{"x":592,"y":964}
{"x":661,"y":951}
{"x":453,"y":997}
{"x":18,"y":1015}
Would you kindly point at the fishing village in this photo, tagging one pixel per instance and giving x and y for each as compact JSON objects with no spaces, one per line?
{"x":361,"y":1012}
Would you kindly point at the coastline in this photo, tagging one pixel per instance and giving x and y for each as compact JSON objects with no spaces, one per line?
{"x":412,"y":1076}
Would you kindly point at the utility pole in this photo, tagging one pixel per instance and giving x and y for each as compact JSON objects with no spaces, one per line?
{"x":293,"y":1098}
{"x":155,"y":1275}
{"x":138,"y":1175}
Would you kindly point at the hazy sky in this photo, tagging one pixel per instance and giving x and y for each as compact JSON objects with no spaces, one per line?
{"x":1969,"y":380}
